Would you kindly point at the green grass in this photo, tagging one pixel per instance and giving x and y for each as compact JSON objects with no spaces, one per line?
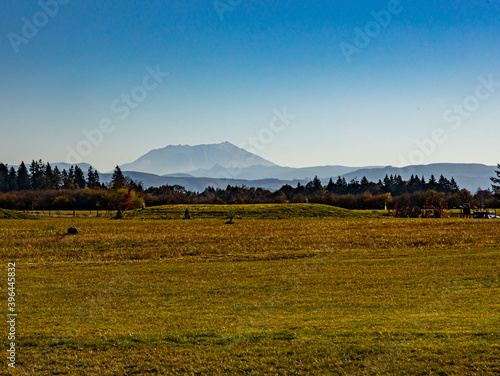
{"x":316,"y":316}
{"x":12,"y":214}
{"x":310,"y":296}
{"x":257,"y":211}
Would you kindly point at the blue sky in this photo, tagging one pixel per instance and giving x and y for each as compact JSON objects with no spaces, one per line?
{"x":230,"y":71}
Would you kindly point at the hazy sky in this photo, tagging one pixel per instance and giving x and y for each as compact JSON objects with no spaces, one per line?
{"x":302,"y":83}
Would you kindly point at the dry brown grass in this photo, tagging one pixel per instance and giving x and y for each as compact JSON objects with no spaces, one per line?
{"x":280,"y":297}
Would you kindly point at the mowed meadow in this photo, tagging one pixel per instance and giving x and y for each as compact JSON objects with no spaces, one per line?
{"x":284,"y":290}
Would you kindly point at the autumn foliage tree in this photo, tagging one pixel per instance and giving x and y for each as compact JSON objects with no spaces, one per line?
{"x":125,"y":203}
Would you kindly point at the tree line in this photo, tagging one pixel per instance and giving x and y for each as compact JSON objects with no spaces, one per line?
{"x":41,"y":176}
{"x":393,"y":184}
{"x":41,"y":187}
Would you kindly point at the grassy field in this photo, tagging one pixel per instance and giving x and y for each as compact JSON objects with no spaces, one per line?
{"x":12,"y":214}
{"x":257,"y":211}
{"x":330,"y":293}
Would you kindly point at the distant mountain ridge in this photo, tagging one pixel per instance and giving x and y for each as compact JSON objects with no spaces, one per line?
{"x":276,"y":172}
{"x":218,"y":165}
{"x":468,"y":176}
{"x":200,"y":183}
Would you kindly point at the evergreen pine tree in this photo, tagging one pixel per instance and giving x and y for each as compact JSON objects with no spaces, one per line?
{"x":331,"y":186}
{"x":4,"y":178}
{"x":340,"y":185}
{"x":37,"y":175}
{"x":92,"y":178}
{"x":79,"y":178}
{"x":353,"y":186}
{"x":56,"y":179}
{"x":12,"y":179}
{"x":364,"y":182}
{"x":47,"y":181}
{"x":97,"y":179}
{"x":432,"y":184}
{"x":317,"y":184}
{"x":67,"y":182}
{"x":64,"y":175}
{"x":118,"y":180}
{"x":387,"y":182}
{"x":413,"y":183}
{"x":71,"y":172}
{"x":443,"y":184}
{"x":453,"y":185}
{"x":300,"y":189}
{"x":23,"y":178}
